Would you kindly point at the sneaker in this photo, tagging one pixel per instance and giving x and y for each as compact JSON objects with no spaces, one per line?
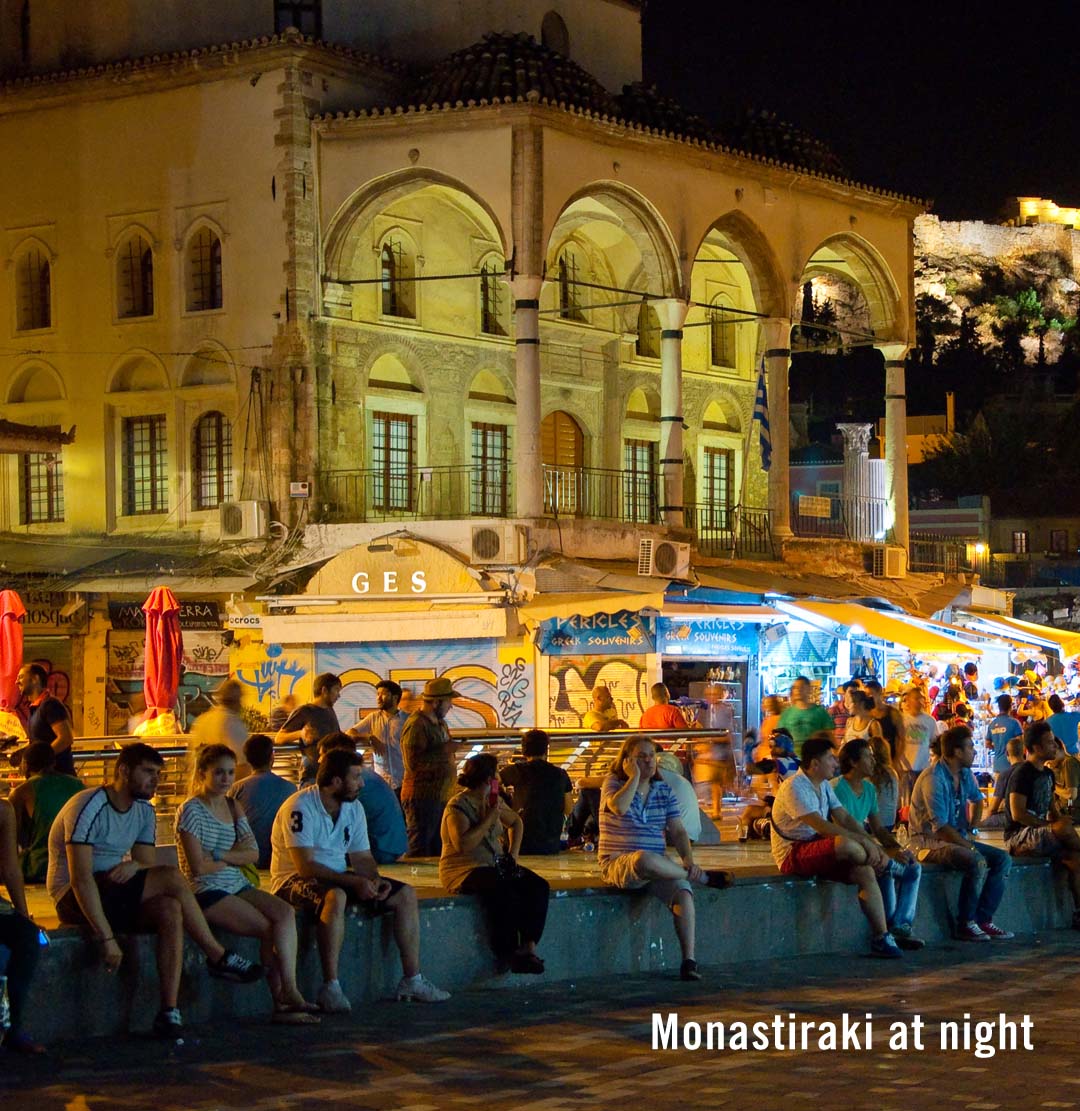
{"x":996,"y":933}
{"x":718,"y":878}
{"x":235,"y":968}
{"x":744,"y":832}
{"x":689,"y":971}
{"x":167,"y":1023}
{"x":886,"y":947}
{"x":970,"y":931}
{"x":332,"y":999}
{"x":902,"y":937}
{"x":418,"y":990}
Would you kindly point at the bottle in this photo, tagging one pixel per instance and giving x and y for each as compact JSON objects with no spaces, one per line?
{"x":5,"y":1006}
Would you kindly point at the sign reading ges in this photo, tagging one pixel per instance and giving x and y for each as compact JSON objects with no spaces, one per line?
{"x":417,"y":584}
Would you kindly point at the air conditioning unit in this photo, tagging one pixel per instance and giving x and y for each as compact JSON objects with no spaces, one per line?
{"x":498,"y":543}
{"x":663,"y":559}
{"x":889,"y":562}
{"x":244,"y":520}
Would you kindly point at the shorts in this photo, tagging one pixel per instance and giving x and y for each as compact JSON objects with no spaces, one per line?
{"x":206,"y":899}
{"x":311,"y":894}
{"x":622,"y":872}
{"x":121,"y":903}
{"x":816,"y":858}
{"x":1033,"y":841}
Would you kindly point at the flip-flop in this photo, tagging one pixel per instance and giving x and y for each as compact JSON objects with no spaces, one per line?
{"x":289,"y":1016}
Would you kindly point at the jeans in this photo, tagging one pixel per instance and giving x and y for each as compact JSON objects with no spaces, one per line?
{"x":900,"y":892}
{"x":20,"y":937}
{"x":985,"y":870}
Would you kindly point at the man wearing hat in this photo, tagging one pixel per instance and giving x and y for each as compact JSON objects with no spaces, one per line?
{"x":223,"y":724}
{"x":429,"y":767}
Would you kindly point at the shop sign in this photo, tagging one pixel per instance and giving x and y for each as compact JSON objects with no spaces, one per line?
{"x":54,"y":613}
{"x":599,"y":634}
{"x":706,"y":636}
{"x":193,"y":615}
{"x":243,"y":621}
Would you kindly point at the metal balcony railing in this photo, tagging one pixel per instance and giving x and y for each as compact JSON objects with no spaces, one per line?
{"x":949,"y":555}
{"x":738,"y":531}
{"x":416,"y":493}
{"x":601,"y":494}
{"x":841,"y":518}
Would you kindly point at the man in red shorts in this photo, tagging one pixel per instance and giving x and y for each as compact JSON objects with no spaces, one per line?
{"x":813,"y":835}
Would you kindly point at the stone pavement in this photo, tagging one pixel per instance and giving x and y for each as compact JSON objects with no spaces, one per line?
{"x":563,"y":1046}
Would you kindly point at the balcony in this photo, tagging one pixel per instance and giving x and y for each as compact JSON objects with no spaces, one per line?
{"x":840,"y":518}
{"x":601,"y":495}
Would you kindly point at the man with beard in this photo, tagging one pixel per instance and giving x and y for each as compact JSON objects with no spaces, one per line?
{"x":382,"y":730}
{"x":429,"y":768}
{"x":316,"y":831}
{"x":95,"y":885}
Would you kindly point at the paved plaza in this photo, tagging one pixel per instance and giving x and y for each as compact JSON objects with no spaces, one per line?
{"x":589,"y":1045}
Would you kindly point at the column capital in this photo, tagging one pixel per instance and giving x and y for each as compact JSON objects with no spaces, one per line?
{"x":893,"y":353}
{"x":777,"y":333}
{"x":526,"y":287}
{"x":856,"y":437}
{"x":671,"y":312}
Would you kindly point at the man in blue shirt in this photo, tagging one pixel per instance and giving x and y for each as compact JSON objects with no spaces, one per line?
{"x":1065,"y":724}
{"x":940,"y":834}
{"x":1000,"y":731}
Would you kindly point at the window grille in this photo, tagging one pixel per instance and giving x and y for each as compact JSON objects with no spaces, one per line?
{"x":395,"y":272}
{"x":204,"y":272}
{"x":719,"y":486}
{"x":33,"y":281}
{"x":570,"y":306}
{"x":145,"y":465}
{"x":491,"y":301}
{"x":721,"y":335}
{"x":41,"y":488}
{"x":135,"y":279}
{"x":490,"y":470}
{"x":211,"y":453}
{"x":639,"y":479}
{"x":393,"y":459}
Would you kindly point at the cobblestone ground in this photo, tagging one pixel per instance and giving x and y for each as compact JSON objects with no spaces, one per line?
{"x":548,"y":1047}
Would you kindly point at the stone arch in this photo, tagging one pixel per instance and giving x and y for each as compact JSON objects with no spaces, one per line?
{"x":138,"y":371}
{"x":210,"y":365}
{"x":736,"y":405}
{"x":753,"y":249}
{"x":614,"y":203}
{"x":717,"y":417}
{"x":856,"y":259}
{"x":360,"y":209}
{"x":399,"y":366}
{"x":35,"y":381}
{"x":491,"y":384}
{"x":642,"y":403}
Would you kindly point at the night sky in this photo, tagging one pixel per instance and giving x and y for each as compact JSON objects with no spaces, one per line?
{"x":967,"y":106}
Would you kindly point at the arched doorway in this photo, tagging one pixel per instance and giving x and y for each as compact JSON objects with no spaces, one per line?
{"x":562,"y":451}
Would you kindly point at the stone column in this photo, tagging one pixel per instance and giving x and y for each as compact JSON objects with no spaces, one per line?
{"x":777,"y":364}
{"x":672,"y":313}
{"x":528,"y":469}
{"x":856,"y":486}
{"x":896,"y":476}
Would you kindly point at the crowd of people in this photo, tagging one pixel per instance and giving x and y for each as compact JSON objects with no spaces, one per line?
{"x":832,"y":790}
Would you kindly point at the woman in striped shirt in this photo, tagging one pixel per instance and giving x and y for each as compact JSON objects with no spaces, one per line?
{"x":214,"y":842}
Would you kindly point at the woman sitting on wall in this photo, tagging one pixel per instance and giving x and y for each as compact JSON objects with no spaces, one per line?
{"x":215,"y":845}
{"x":473,"y":863}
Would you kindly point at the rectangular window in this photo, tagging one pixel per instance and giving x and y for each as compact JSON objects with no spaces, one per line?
{"x":145,"y":463}
{"x":491,"y":307}
{"x":304,"y":15}
{"x":719,"y":480}
{"x":393,"y":439}
{"x":41,"y":488}
{"x":1020,"y":543}
{"x":490,"y":469}
{"x":639,"y":480}
{"x":1059,"y":540}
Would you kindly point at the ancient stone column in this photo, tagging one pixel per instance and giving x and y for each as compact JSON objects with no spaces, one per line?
{"x":856,"y":485}
{"x":672,"y":314}
{"x":528,"y":472}
{"x":777,"y":364}
{"x":896,"y":476}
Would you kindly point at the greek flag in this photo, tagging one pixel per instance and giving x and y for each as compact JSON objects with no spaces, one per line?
{"x":761,"y":413}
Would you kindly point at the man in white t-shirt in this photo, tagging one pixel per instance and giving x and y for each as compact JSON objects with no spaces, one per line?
{"x":321,"y":862}
{"x":813,"y":835}
{"x":920,"y":729}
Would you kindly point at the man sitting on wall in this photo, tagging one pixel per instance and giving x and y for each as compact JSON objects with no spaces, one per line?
{"x":103,"y":874}
{"x":37,"y":801}
{"x":261,"y":793}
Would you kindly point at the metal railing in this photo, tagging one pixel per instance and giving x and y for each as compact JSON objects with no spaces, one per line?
{"x":739,"y":531}
{"x":840,"y":518}
{"x":949,"y":555}
{"x":416,"y":493}
{"x":601,"y":494}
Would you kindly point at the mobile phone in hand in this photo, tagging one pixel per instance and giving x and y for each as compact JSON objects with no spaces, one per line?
{"x":493,"y":793}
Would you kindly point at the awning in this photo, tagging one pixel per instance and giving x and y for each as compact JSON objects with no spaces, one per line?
{"x":884,"y":626}
{"x":758,"y":615}
{"x":585,"y":605}
{"x":1068,"y":643}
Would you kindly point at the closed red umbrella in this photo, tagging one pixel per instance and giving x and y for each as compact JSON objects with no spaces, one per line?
{"x":12,"y":611}
{"x":164,"y":651}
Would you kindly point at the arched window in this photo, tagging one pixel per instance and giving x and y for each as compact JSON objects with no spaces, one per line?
{"x":570,"y":299}
{"x":33,"y":284}
{"x":492,"y":300}
{"x":648,"y":332}
{"x":203,"y":271}
{"x":134,"y":278}
{"x":721,"y":333}
{"x":211,"y":455}
{"x":396,"y":271}
{"x":554,"y":35}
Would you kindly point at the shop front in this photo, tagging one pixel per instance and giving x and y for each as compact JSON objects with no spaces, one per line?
{"x":54,"y":636}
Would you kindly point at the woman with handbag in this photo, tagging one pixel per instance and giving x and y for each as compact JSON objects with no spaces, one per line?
{"x":473,"y":863}
{"x":216,"y":850}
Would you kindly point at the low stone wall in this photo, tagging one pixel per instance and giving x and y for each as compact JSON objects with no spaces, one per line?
{"x":590,"y":931}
